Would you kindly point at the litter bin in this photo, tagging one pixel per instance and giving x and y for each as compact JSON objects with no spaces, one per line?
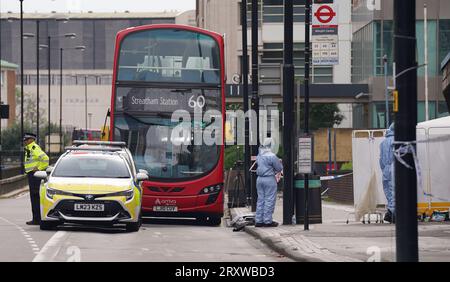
{"x":314,"y":199}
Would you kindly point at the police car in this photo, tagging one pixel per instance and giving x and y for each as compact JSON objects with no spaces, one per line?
{"x":92,"y":183}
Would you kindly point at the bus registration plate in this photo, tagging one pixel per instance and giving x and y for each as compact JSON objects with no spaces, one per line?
{"x":165,"y":208}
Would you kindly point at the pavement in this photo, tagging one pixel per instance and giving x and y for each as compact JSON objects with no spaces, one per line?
{"x":336,"y":241}
{"x":159,"y":240}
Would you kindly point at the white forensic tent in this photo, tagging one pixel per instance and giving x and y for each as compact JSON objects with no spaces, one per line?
{"x":433,"y":152}
{"x":367,"y":177}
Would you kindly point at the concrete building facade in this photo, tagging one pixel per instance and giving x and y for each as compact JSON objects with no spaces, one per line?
{"x":225,"y":17}
{"x":95,"y":31}
{"x":373,"y":38}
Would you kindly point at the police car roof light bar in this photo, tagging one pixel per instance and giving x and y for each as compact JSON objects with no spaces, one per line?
{"x":94,"y":149}
{"x":100,"y":143}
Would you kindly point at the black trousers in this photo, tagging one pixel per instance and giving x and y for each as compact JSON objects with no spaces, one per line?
{"x":35,"y":184}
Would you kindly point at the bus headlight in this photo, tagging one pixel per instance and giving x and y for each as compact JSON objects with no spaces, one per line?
{"x":211,"y":189}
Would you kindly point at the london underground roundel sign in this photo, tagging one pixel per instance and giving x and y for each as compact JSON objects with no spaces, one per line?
{"x":325,"y":14}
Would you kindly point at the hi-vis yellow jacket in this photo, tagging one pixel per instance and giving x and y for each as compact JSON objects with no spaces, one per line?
{"x":35,"y":158}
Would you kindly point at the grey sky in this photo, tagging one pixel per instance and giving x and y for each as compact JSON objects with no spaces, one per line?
{"x":46,"y":6}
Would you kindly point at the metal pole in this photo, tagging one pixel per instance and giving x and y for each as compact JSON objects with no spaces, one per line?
{"x":386,"y":92}
{"x":335,"y":149}
{"x":425,"y":37}
{"x":49,"y":91}
{"x":247,"y":152}
{"x":405,"y":130}
{"x":60,"y":98}
{"x":1,"y":149}
{"x":37,"y":82}
{"x":85,"y":101}
{"x":21,"y":88}
{"x":288,"y":109}
{"x":255,"y":90}
{"x":90,"y":120}
{"x":307,"y":58}
{"x":330,"y":160}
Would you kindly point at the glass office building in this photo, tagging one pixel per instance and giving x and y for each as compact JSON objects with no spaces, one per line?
{"x":373,"y":39}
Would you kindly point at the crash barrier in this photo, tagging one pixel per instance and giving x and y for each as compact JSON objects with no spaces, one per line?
{"x":13,"y":179}
{"x":13,"y":183}
{"x":314,"y":199}
{"x":339,"y":187}
{"x":10,"y":163}
{"x":235,"y":186}
{"x":368,"y":191}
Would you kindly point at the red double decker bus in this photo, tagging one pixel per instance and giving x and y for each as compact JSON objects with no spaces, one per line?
{"x":158,"y":70}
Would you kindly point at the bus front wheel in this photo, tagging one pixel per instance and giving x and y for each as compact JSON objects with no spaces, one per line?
{"x":214,"y":220}
{"x":209,"y":220}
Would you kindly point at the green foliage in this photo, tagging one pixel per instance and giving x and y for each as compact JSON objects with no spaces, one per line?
{"x":29,"y":109}
{"x":347,"y":166}
{"x":322,"y":116}
{"x":231,"y":156}
{"x":12,"y":140}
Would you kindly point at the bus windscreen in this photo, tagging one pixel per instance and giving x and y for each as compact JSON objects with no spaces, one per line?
{"x":169,"y":55}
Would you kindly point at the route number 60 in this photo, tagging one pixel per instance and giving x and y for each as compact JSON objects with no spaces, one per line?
{"x":199,"y":102}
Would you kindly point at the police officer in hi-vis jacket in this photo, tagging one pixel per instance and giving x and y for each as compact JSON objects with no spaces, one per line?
{"x":35,"y":160}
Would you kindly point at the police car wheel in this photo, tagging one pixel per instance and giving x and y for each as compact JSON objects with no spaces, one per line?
{"x":48,"y":225}
{"x":134,"y":226}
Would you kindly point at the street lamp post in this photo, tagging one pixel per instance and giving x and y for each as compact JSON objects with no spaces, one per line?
{"x":22,"y":149}
{"x":60,"y":98}
{"x":85,"y":102}
{"x":61,"y":51}
{"x":49,"y":91}
{"x":0,"y":99}
{"x":48,"y":46}
{"x":37,"y":81}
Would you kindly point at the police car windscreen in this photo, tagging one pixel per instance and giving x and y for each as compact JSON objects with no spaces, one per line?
{"x":92,"y":167}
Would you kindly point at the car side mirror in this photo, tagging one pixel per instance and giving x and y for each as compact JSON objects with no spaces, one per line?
{"x":49,"y":170}
{"x":41,"y":174}
{"x":141,"y":177}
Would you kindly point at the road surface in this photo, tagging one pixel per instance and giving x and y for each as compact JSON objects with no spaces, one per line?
{"x":158,"y":241}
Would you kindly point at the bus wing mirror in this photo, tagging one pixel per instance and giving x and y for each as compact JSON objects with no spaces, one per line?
{"x":141,"y":177}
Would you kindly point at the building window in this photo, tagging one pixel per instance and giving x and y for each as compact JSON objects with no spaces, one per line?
{"x":433,"y":69}
{"x":273,"y":54}
{"x":444,"y":39}
{"x":272,"y":11}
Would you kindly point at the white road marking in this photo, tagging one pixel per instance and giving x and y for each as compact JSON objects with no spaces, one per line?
{"x":51,"y":248}
{"x":26,"y":235}
{"x":22,"y":195}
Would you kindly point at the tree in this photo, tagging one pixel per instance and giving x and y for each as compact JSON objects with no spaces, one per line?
{"x":322,"y":116}
{"x":11,"y":139}
{"x":29,"y":109}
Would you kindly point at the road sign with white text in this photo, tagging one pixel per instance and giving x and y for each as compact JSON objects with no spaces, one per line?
{"x":325,"y":39}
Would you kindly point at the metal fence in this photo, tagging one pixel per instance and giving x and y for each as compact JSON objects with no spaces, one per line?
{"x":10,"y":163}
